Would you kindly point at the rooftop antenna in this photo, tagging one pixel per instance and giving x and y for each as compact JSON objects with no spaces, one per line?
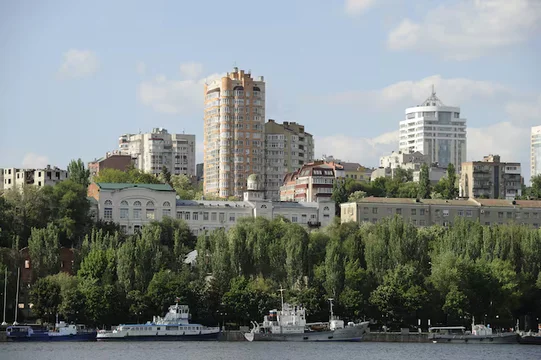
{"x":281,"y":290}
{"x":433,"y":92}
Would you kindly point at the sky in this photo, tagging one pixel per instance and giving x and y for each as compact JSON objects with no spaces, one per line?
{"x":74,"y":75}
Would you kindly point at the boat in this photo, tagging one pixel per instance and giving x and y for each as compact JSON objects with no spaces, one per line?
{"x":61,"y":332}
{"x":289,"y":324}
{"x":480,"y":334}
{"x":174,"y":325}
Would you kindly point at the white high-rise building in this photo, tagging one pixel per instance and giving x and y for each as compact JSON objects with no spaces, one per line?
{"x":151,"y":151}
{"x":435,"y":130}
{"x":535,"y":151}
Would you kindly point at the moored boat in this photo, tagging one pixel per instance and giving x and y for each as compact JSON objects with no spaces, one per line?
{"x":479,"y":334}
{"x":174,"y":325}
{"x":289,"y":324}
{"x":61,"y":332}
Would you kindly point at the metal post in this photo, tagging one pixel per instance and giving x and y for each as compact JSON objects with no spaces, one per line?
{"x":17,"y":296}
{"x":4,"y":323}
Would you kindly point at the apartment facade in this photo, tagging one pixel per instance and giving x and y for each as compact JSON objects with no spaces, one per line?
{"x":399,"y":160}
{"x":132,"y":206}
{"x":311,"y":183}
{"x":428,"y":212}
{"x":435,"y":130}
{"x":287,"y":147}
{"x":356,"y":171}
{"x":150,"y":152}
{"x":234,"y":122}
{"x":16,"y":178}
{"x":490,"y":178}
{"x":535,"y":151}
{"x":111,"y":160}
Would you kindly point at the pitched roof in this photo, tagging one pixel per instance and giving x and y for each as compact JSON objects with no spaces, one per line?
{"x":382,"y":200}
{"x":122,"y":186}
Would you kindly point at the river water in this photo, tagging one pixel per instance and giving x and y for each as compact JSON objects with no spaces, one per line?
{"x":264,"y":351}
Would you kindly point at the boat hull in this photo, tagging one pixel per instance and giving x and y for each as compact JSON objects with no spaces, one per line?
{"x":510,"y":338}
{"x":530,"y":340}
{"x":197,"y":337}
{"x":91,"y":336}
{"x":348,"y":334}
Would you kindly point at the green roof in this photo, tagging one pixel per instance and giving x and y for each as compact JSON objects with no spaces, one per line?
{"x":121,"y":186}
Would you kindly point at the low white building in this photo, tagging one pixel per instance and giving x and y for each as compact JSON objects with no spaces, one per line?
{"x":134,"y":205}
{"x":51,"y":175}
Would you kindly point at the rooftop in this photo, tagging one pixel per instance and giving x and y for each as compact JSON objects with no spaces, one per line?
{"x":122,"y":186}
{"x":460,"y":202}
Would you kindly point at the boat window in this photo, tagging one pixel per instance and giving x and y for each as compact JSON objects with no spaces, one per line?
{"x":158,"y":328}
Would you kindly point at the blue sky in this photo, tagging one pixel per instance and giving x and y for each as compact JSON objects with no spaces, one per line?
{"x":75,"y":75}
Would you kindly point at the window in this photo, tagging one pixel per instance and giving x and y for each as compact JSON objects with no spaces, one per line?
{"x":366,"y":220}
{"x":150,"y":204}
{"x":166,"y":213}
{"x":232,"y":217}
{"x":166,"y":204}
{"x":509,"y":215}
{"x":460,"y":212}
{"x":374,"y":210}
{"x":500,"y":214}
{"x":123,"y":228}
{"x":137,"y":213}
{"x":213,"y":216}
{"x":414,"y":222}
{"x":413,"y":211}
{"x":421,"y":223}
{"x":27,"y":264}
{"x":526,"y":215}
{"x":137,"y":203}
{"x":294,"y":218}
{"x":150,"y":214}
{"x":421,"y":212}
{"x":445,"y":212}
{"x":221,"y":217}
{"x":108,"y":203}
{"x":326,"y":208}
{"x":399,"y":211}
{"x":195,"y":215}
{"x":468,"y":213}
{"x":108,"y":213}
{"x":487,"y":213}
{"x":365,"y":210}
{"x":205,"y":216}
{"x":389,"y":211}
{"x":137,"y":228}
{"x":124,"y":203}
{"x":487,"y":223}
{"x":187,"y":215}
{"x":124,"y":212}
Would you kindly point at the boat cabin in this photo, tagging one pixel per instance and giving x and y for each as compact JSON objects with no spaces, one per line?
{"x":447,"y":330}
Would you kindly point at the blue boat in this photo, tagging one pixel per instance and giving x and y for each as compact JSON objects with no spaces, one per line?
{"x":174,"y":326}
{"x":61,"y":332}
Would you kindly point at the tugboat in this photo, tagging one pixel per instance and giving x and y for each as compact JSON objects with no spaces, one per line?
{"x":174,"y":326}
{"x":61,"y":332}
{"x":479,"y":334}
{"x":290,"y":324}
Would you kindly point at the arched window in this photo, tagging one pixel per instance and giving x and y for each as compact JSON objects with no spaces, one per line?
{"x":238,"y":87}
{"x":263,"y":206}
{"x":108,"y":203}
{"x":326,"y":208}
{"x":137,"y":203}
{"x":123,"y":203}
{"x":256,"y":88}
{"x":150,"y":204}
{"x":167,"y":204}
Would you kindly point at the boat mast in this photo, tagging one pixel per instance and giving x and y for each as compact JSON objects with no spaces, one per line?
{"x":281,"y":290}
{"x":331,"y":300}
{"x":4,"y":323}
{"x":17,"y":296}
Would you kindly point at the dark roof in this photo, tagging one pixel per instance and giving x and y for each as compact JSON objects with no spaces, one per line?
{"x":122,"y":186}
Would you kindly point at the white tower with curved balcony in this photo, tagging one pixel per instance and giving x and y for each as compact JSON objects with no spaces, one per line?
{"x":436,"y":130}
{"x":233,"y":133}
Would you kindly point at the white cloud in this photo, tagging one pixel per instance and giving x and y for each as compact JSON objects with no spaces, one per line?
{"x":184,"y":96}
{"x":79,"y":64}
{"x":357,"y":7}
{"x":141,"y":68}
{"x":523,"y":112}
{"x":365,"y":151}
{"x":35,"y":161}
{"x":469,"y":28}
{"x":191,"y":70}
{"x":451,"y":91}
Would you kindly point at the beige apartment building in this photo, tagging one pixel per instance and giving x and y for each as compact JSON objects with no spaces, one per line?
{"x":234,"y":121}
{"x":287,"y":148}
{"x":490,"y":178}
{"x":427,"y":212}
{"x":313,"y":182}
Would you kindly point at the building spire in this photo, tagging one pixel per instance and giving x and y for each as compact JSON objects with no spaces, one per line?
{"x":433,"y":92}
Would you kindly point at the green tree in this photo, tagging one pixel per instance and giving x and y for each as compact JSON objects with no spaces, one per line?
{"x":424,"y":183}
{"x":78,"y":173}
{"x":535,"y":191}
{"x":43,"y":248}
{"x":165,"y":175}
{"x":403,"y":175}
{"x":356,"y":196}
{"x":452,"y":190}
{"x":131,"y":176}
{"x":45,"y":297}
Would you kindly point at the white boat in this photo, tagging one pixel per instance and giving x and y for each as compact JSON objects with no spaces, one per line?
{"x":289,"y":324}
{"x":174,"y":325}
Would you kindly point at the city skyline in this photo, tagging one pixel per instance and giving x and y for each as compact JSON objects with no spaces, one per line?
{"x":84,"y":73}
